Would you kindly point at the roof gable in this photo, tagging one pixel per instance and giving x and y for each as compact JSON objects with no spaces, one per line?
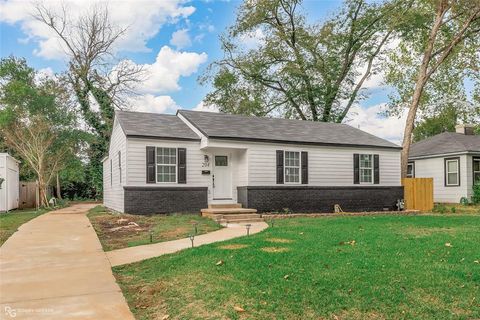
{"x":237,"y":127}
{"x":447,"y":142}
{"x":154,"y":125}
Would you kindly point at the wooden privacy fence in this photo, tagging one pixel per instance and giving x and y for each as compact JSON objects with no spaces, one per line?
{"x":418,"y":193}
{"x":28,"y":195}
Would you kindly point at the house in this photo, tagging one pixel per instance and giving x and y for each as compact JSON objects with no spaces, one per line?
{"x":452,"y":159}
{"x":9,"y":183}
{"x":161,"y":163}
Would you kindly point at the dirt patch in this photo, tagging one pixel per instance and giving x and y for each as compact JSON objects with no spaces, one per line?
{"x":275,"y":249}
{"x":425,"y":232}
{"x":279,"y":240}
{"x":233,"y":246}
{"x":357,"y":314}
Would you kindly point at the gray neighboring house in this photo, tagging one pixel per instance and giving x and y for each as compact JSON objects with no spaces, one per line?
{"x":452,"y":159}
{"x":161,"y":163}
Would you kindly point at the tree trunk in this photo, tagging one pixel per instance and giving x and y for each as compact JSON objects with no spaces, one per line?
{"x":422,"y":79}
{"x":59,"y":191}
{"x":42,"y":191}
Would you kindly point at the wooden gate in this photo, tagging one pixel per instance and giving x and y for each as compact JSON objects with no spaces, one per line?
{"x":28,"y":195}
{"x":418,"y":193}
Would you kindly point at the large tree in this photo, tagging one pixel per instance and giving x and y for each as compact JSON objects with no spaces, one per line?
{"x":36,"y":122}
{"x":299,"y":69}
{"x":100,"y":81}
{"x":437,"y":59}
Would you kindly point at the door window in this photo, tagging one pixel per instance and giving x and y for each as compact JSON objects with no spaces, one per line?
{"x":221,"y":161}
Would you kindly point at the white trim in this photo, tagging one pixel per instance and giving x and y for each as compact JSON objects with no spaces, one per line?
{"x":166,"y":165}
{"x":443,"y":155}
{"x":473,"y":169}
{"x":457,"y":161}
{"x":365,"y":168}
{"x":285,"y":167}
{"x":411,"y":163}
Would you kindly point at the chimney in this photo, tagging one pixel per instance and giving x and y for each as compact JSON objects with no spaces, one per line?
{"x":467,"y":129}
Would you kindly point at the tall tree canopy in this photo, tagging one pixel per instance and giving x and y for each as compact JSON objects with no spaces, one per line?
{"x":437,"y":60}
{"x":98,"y":79}
{"x":36,"y":122}
{"x":297,"y":69}
{"x":444,"y":121}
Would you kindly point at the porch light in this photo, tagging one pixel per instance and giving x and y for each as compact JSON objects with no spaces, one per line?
{"x":191,"y":238}
{"x":248,"y":228}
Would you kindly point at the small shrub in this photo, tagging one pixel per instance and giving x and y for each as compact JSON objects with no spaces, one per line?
{"x":453,"y":210}
{"x":439,"y":208}
{"x":476,"y":193}
{"x":287,"y":211}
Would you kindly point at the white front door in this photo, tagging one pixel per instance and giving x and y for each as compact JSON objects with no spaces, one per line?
{"x":222,"y":177}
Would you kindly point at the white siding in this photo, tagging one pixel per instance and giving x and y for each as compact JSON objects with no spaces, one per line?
{"x":136,"y":161}
{"x":435,"y":168}
{"x":327,"y":166}
{"x":9,"y":193}
{"x":113,"y":195}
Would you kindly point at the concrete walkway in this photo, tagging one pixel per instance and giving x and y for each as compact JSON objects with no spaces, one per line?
{"x":134,"y":254}
{"x":54,"y":268}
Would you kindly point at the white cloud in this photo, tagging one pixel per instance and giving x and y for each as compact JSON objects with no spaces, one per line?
{"x":201,"y":106}
{"x":143,"y":20}
{"x":252,"y":39}
{"x":181,"y":39}
{"x":169,"y":66}
{"x":155,"y":104}
{"x":373,"y":121}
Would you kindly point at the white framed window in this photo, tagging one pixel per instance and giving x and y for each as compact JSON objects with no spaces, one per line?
{"x":476,"y":170}
{"x":166,"y":165}
{"x":292,"y":166}
{"x":452,"y":172}
{"x":366,"y":168}
{"x":411,"y":170}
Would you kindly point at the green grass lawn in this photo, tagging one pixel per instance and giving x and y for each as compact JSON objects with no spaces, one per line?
{"x":163,"y":227}
{"x":9,"y":222}
{"x":371,"y":267}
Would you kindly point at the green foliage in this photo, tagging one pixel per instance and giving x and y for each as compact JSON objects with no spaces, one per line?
{"x":450,"y":84}
{"x":476,"y":193}
{"x":439,"y":208}
{"x":298,"y":69}
{"x":445,"y":121}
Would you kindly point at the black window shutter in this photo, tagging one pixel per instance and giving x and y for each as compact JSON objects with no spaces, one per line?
{"x":279,"y":166}
{"x":376,"y":169}
{"x":182,"y":165}
{"x":356,"y":170}
{"x":304,"y":167}
{"x":151,"y":165}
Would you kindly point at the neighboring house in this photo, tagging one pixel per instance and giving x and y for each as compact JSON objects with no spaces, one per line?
{"x":182,"y":163}
{"x":452,"y":159}
{"x":9,"y":187}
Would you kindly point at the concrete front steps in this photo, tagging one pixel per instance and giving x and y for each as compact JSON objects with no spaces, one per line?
{"x":231,"y":213}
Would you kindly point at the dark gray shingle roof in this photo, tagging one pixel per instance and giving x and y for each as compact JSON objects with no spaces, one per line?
{"x":447,"y":142}
{"x":154,"y":125}
{"x":236,"y":127}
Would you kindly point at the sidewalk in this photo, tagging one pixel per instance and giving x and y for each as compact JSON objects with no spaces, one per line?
{"x":54,"y":268}
{"x":134,"y":254}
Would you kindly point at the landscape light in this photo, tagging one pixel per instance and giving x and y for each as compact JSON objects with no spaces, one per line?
{"x":248,"y":228}
{"x":191,"y":238}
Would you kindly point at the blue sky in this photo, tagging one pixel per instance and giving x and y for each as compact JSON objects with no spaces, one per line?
{"x":175,"y":40}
